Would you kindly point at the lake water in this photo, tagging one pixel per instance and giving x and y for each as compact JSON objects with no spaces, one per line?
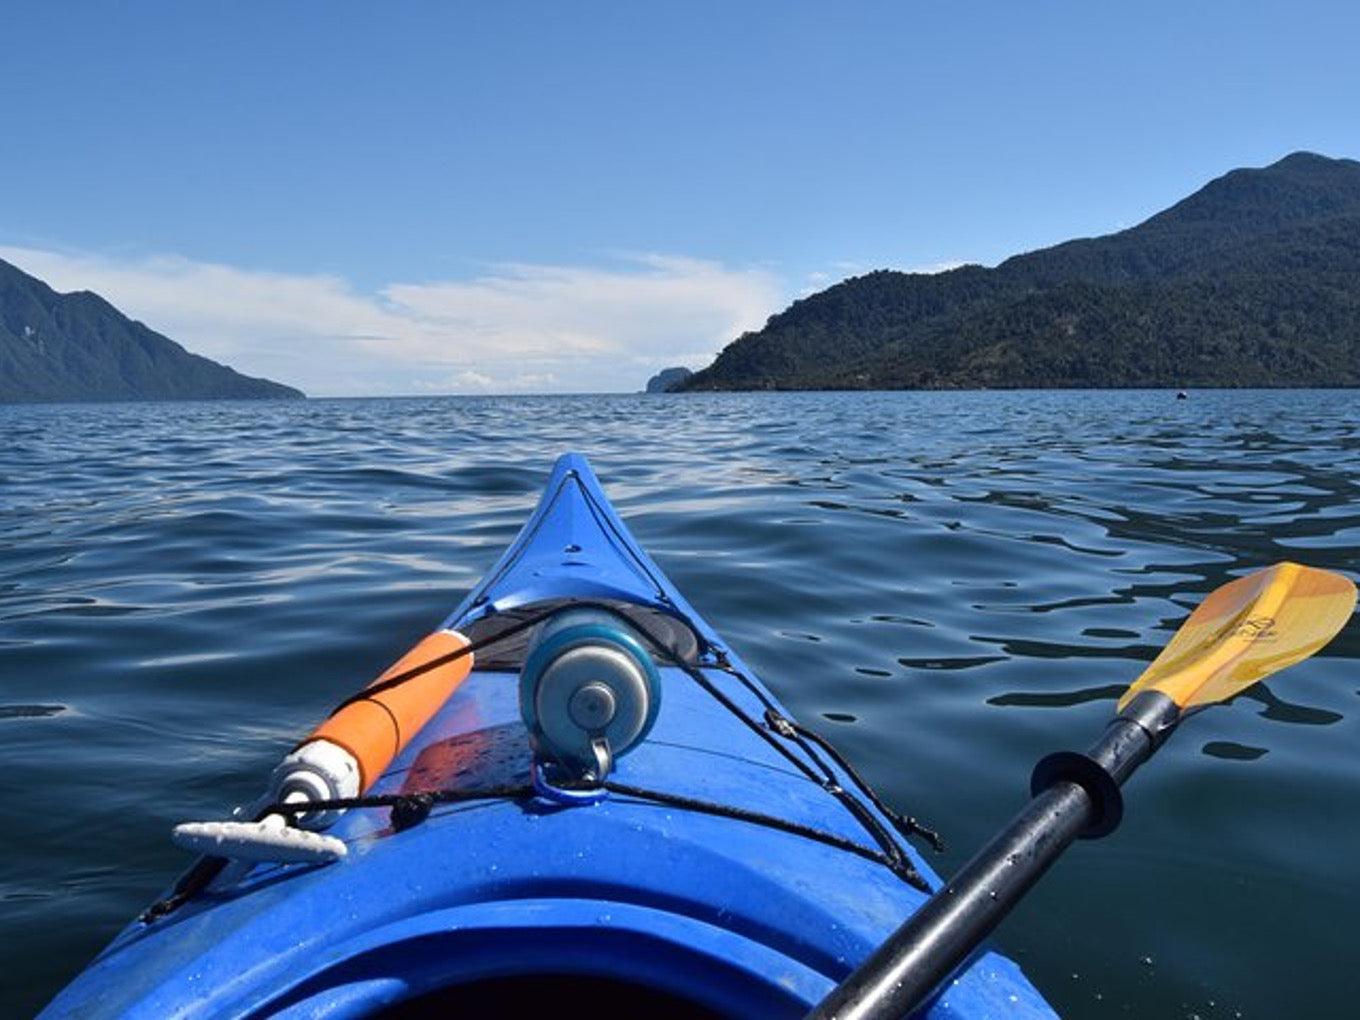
{"x":947,"y":585}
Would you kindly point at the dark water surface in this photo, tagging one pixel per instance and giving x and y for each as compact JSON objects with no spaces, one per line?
{"x":947,"y":585}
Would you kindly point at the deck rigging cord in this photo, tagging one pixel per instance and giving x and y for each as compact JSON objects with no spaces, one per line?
{"x":412,"y":808}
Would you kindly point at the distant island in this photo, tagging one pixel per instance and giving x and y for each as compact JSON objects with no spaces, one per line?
{"x":1254,"y":280}
{"x":79,"y":347}
{"x":667,"y":379}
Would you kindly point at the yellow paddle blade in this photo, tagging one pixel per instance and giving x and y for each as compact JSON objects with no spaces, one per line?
{"x":1247,"y":630}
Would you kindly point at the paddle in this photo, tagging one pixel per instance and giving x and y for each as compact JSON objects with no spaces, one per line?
{"x":1244,"y":631}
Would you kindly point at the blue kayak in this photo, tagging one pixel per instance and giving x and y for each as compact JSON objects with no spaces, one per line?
{"x":714,"y":860}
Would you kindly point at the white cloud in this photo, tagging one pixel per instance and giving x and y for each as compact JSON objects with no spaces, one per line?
{"x":845,"y":268}
{"x":838,"y":271}
{"x":515,"y":327}
{"x":850,"y":267}
{"x":816,"y":281}
{"x":931,"y":268}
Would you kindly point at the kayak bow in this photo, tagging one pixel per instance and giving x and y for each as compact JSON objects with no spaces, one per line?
{"x":610,"y":812}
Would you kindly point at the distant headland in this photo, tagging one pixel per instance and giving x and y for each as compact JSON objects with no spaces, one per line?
{"x":1254,"y":280}
{"x":79,"y":347}
{"x":668,"y":379}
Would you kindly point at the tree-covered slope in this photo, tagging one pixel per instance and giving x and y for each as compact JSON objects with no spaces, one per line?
{"x":79,"y":347}
{"x":1254,"y":280}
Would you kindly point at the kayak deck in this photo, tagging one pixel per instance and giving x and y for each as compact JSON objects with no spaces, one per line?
{"x":680,"y":883}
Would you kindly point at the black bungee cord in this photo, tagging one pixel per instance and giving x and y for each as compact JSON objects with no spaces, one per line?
{"x":412,"y":808}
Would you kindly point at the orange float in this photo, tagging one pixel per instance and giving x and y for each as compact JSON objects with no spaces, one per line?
{"x":375,"y":729}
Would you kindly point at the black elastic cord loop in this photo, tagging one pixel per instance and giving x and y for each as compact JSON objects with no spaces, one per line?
{"x":826,"y":781}
{"x":899,"y":866}
{"x":906,"y":825}
{"x":409,"y":809}
{"x":776,"y":720}
{"x":442,"y":660}
{"x":415,"y":803}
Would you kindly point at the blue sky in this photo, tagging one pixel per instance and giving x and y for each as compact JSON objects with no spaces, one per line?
{"x":437,"y":197}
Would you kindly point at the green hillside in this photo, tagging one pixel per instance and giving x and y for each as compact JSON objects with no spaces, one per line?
{"x":1254,"y":280}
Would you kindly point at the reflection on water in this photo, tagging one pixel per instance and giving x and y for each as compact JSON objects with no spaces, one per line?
{"x":1232,"y":751}
{"x":1060,"y":699}
{"x":29,"y":711}
{"x":947,"y":585}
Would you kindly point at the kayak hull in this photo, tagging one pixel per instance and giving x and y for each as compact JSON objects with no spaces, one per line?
{"x":714,"y":909}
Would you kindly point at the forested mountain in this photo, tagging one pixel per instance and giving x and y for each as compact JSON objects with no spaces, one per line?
{"x":79,"y":347}
{"x":1254,"y":280}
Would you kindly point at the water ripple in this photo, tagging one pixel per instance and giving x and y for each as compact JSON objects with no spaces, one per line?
{"x":948,"y":585}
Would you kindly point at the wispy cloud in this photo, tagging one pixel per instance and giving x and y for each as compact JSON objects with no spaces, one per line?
{"x":517,"y":326}
{"x":837,"y":271}
{"x":931,"y":268}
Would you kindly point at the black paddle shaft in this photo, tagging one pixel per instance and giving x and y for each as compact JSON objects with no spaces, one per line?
{"x":1074,"y":795}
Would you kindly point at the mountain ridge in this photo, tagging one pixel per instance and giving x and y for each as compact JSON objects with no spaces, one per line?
{"x":77,"y":346}
{"x":1253,"y":279}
